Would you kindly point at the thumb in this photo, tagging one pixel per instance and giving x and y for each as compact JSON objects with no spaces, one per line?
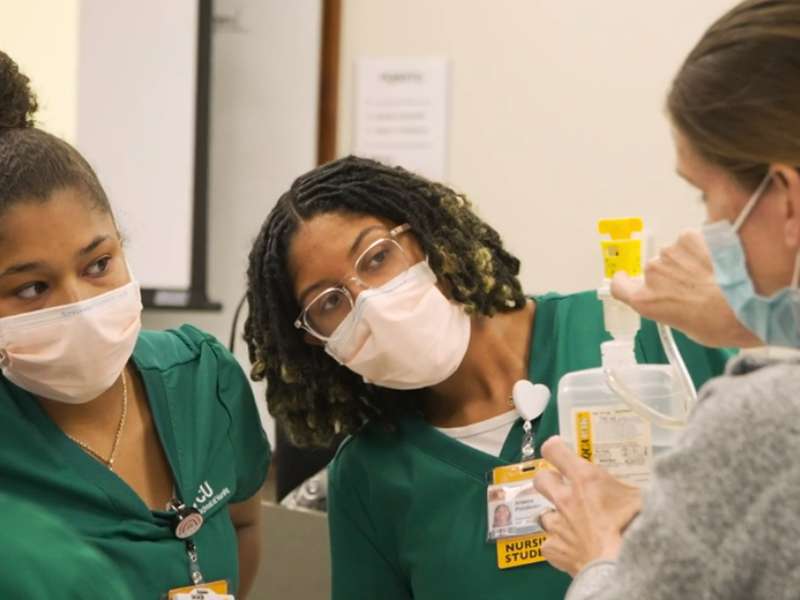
{"x":625,"y":288}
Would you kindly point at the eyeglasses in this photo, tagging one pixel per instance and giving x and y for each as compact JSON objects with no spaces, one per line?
{"x":382,"y":261}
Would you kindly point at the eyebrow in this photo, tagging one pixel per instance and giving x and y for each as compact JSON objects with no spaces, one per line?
{"x":35,"y":265}
{"x":360,"y":238}
{"x":92,"y":246}
{"x":355,"y":245}
{"x":22,"y":268}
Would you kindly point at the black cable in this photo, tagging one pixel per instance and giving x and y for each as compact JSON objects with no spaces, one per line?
{"x":234,"y":325}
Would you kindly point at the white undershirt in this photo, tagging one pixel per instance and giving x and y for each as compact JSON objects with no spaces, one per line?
{"x":488,"y":436}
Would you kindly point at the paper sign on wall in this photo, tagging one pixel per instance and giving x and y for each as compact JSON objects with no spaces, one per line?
{"x":401,"y":113}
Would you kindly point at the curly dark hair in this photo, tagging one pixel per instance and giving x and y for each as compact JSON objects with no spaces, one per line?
{"x":34,"y":163}
{"x":310,"y":394}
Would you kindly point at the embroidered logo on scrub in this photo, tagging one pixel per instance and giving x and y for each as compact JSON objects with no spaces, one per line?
{"x":206,"y":498}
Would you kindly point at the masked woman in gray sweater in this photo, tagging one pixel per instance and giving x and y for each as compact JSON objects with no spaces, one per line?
{"x":721,"y":517}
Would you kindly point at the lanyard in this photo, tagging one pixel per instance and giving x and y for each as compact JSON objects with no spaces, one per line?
{"x":194,"y":563}
{"x":186,"y":522}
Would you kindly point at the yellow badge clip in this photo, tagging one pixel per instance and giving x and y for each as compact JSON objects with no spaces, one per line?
{"x":213,"y":590}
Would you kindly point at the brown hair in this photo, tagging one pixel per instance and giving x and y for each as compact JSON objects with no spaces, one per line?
{"x":737,"y":96}
{"x":34,"y":163}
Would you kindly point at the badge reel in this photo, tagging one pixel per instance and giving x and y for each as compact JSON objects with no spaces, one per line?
{"x":186,"y":522}
{"x":513,"y":504}
{"x":530,"y":401}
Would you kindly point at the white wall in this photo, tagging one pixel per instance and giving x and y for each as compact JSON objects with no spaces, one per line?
{"x":42,"y":37}
{"x":263,"y":134}
{"x":557,"y":113}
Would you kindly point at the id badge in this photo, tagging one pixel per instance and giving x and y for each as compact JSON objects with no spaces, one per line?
{"x":513,"y":508}
{"x":213,"y":590}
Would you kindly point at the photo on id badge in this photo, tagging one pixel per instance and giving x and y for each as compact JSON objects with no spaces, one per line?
{"x":514,"y":509}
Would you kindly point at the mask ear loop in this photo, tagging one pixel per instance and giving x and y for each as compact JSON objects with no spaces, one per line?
{"x":796,"y":277}
{"x":751,"y":203}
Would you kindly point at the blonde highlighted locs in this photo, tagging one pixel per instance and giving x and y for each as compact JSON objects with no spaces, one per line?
{"x":736,"y":97}
{"x":310,"y":394}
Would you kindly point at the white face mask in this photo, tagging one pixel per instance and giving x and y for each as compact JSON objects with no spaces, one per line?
{"x":75,"y":352}
{"x":403,"y":335}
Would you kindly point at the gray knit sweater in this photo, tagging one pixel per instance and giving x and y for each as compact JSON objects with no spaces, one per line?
{"x":722,"y":517}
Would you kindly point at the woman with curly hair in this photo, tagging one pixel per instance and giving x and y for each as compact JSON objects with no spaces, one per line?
{"x":381,"y":306}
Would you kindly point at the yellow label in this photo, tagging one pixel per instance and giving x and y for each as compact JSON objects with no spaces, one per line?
{"x":622,"y":252}
{"x":519,"y":551}
{"x":218,"y":587}
{"x":617,"y":439}
{"x":622,"y":255}
{"x":583,"y":433}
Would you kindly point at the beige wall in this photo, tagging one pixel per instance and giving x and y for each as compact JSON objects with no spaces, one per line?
{"x":557,"y":113}
{"x":42,"y":36}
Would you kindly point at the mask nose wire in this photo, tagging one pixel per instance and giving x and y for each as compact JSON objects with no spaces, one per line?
{"x":751,"y":203}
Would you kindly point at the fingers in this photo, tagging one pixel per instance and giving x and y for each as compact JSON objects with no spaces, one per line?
{"x":625,"y":288}
{"x":562,"y":457}
{"x":547,"y":519}
{"x":639,"y":294}
{"x":550,"y":485}
{"x":677,"y":266}
{"x":687,"y":257}
{"x":556,"y":527}
{"x":662,"y":294}
{"x":559,"y":554}
{"x":695,"y":244}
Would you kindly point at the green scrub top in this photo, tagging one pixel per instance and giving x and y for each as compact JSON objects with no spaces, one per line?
{"x":205,"y":414}
{"x":407,"y":507}
{"x":41,"y":558}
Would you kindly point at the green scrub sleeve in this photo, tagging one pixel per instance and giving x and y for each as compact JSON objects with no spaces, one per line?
{"x":41,"y":558}
{"x":252,"y":452}
{"x":360,"y":571}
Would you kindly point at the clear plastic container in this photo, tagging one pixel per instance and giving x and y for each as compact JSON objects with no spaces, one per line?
{"x":604,"y":429}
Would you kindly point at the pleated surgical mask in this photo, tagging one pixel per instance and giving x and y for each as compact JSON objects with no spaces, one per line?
{"x":774,"y":319}
{"x":74,"y":352}
{"x":403,"y":335}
